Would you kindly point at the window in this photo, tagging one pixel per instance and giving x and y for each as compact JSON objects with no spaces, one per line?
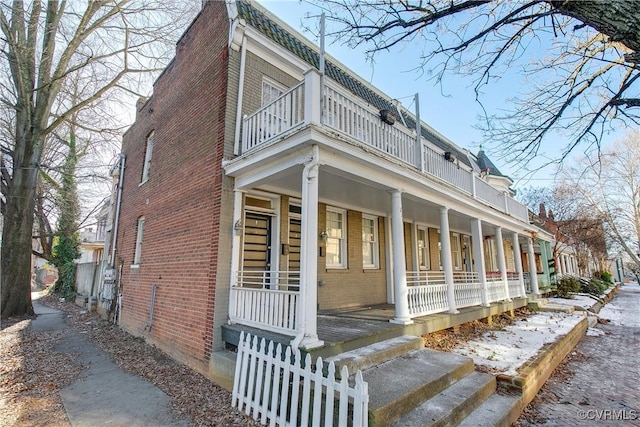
{"x":147,"y":159}
{"x":336,"y":245}
{"x":270,"y":91}
{"x":275,"y":115}
{"x":423,"y":249}
{"x":369,"y":241}
{"x":456,"y":252}
{"x":138,"y":252}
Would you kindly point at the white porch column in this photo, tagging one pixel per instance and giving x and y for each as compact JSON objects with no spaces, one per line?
{"x":447,"y":264}
{"x":502,"y":265}
{"x":478,"y":253}
{"x":238,"y":225}
{"x":401,"y":293}
{"x":518,"y":261}
{"x":533,"y":274}
{"x":558,"y":263}
{"x":308,"y":307}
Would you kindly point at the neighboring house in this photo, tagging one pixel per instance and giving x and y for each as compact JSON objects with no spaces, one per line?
{"x":579,"y":247}
{"x":92,"y":253}
{"x":259,"y":194}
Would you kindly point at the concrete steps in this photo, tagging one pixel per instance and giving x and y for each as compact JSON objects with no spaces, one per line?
{"x":497,"y":411}
{"x":410,"y":385}
{"x":453,"y":404}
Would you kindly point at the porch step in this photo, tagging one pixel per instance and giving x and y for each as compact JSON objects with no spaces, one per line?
{"x":453,"y":404}
{"x":545,"y":305}
{"x":399,"y":385}
{"x":498,"y":410}
{"x":375,"y":354}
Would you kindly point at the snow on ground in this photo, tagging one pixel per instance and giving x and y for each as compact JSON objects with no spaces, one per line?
{"x":585,"y":301}
{"x":505,"y":351}
{"x":622,"y":314}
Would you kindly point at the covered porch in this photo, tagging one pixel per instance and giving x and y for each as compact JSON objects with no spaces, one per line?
{"x":327,"y":218}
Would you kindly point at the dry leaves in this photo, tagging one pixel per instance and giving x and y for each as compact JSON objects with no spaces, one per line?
{"x":32,"y":373}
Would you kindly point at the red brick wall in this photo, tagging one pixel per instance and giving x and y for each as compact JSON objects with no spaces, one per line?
{"x":181,"y":199}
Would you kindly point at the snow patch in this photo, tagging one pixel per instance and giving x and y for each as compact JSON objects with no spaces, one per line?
{"x":505,"y":351}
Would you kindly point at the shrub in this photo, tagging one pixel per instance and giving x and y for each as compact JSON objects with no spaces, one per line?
{"x":595,"y":287}
{"x":606,"y":277}
{"x":566,"y":286}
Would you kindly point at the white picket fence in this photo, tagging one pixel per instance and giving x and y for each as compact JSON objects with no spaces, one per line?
{"x":279,"y":389}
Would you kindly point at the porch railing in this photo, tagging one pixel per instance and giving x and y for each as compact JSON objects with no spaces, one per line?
{"x":495,"y":290}
{"x":266,"y":299}
{"x":274,"y":119}
{"x":353,"y":117}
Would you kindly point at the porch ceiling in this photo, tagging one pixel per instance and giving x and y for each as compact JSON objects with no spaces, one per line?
{"x":346,"y":190}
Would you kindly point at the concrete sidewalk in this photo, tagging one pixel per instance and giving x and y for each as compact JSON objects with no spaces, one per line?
{"x":104,"y":394}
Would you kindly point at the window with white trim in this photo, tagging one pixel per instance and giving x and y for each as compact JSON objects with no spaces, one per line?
{"x":423,"y":248}
{"x":370,"y":241}
{"x":336,"y":244}
{"x":147,"y":159}
{"x":456,"y":251}
{"x":138,"y":252}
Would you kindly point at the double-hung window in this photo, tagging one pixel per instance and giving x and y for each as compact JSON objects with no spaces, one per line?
{"x":369,"y":241}
{"x":423,"y":248}
{"x":147,"y":159}
{"x":336,"y":244}
{"x":138,"y":252}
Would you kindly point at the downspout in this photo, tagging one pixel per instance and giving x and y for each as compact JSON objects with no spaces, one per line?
{"x":116,"y":218}
{"x":243,"y":58}
{"x":309,"y":169}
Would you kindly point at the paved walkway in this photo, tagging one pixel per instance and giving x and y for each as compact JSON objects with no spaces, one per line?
{"x":604,"y":389}
{"x":104,"y":394}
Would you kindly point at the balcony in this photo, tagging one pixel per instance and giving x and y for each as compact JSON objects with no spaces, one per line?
{"x":339,"y":111}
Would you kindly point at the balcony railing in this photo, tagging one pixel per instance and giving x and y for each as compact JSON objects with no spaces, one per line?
{"x":352,"y":117}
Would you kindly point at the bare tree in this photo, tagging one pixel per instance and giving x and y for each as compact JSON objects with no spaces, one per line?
{"x":580,"y":59}
{"x":608,"y":186}
{"x":108,"y":47}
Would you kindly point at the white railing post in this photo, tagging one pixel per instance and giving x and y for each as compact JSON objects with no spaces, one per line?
{"x":473,"y":185}
{"x":238,"y":227}
{"x":502,"y":265}
{"x":447,"y":264}
{"x":533,"y":274}
{"x":401,"y":292}
{"x":478,"y":253}
{"x":312,"y":94}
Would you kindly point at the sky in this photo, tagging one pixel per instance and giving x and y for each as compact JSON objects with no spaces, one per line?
{"x":450,"y":107}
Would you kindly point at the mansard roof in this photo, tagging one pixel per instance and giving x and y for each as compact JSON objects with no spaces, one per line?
{"x":269,"y":26}
{"x":484,"y":163}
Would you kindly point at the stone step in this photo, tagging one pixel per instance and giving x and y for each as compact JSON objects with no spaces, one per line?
{"x":498,"y":410}
{"x":375,"y":354}
{"x":453,"y":404}
{"x":399,"y":385}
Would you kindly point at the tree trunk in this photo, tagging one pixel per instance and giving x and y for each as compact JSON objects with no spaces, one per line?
{"x":618,"y":19}
{"x":17,"y":240}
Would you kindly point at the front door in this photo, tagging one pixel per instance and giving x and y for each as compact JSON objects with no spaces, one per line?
{"x":256,"y":257}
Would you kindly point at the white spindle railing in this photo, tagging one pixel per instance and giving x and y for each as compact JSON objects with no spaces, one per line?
{"x":451,"y":172}
{"x":280,"y":388}
{"x":274,"y":119}
{"x":487,"y":193}
{"x":495,"y":289}
{"x":266,"y":300}
{"x":343,"y":112}
{"x":467,"y":289}
{"x":352,"y":116}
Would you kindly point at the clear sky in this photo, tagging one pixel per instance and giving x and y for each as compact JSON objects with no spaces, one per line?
{"x":450,"y":107}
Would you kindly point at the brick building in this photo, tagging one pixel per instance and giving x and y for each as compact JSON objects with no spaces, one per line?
{"x":261,"y":193}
